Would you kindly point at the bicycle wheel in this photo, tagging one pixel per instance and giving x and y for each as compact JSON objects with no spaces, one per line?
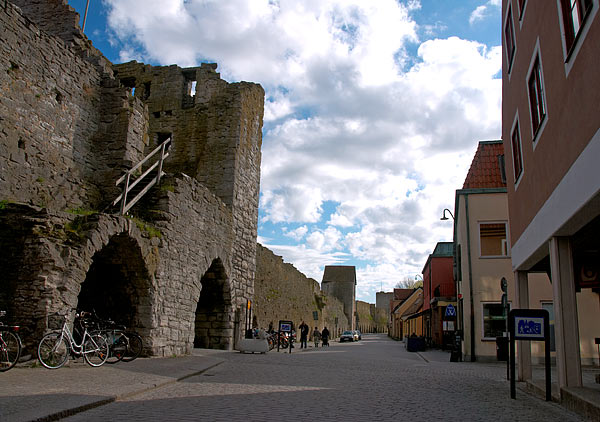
{"x":118,"y":348}
{"x":53,"y":350}
{"x":95,"y":350}
{"x":10,"y":350}
{"x":135,"y":347}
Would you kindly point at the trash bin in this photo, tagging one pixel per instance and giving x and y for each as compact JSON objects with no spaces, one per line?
{"x":502,"y":348}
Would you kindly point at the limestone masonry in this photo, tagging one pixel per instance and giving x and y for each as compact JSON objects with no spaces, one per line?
{"x":181,"y":267}
{"x":281,"y":292}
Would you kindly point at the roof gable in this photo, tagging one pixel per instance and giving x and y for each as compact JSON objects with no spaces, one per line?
{"x":485,"y":169}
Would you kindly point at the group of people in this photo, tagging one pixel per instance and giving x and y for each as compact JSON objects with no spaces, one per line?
{"x":317,"y":335}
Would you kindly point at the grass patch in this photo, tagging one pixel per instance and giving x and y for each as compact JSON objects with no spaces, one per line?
{"x":81,"y":211}
{"x":167,"y":188}
{"x":145,"y":227}
{"x":3,"y":204}
{"x":40,"y":180}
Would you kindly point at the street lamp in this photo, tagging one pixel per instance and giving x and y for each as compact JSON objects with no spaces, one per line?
{"x":444,"y":218}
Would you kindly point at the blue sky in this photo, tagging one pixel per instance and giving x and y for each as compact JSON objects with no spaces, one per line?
{"x":373,"y":112}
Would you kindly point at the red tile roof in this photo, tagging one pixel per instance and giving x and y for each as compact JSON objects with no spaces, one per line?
{"x":485,"y":168}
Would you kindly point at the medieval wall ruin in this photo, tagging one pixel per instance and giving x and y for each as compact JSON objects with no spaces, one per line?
{"x":281,"y":292}
{"x":180,"y":268}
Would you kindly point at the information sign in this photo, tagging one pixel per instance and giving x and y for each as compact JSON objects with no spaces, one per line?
{"x":450,"y":311}
{"x":529,"y":325}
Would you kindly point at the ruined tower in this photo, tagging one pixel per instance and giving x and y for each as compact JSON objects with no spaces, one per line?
{"x":339,"y":281}
{"x":180,"y":267}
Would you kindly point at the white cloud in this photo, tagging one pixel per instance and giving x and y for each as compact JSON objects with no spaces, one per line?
{"x":346,"y":120}
{"x":483,"y":11}
{"x":297,"y":234}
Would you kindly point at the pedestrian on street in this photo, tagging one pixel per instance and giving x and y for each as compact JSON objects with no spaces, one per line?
{"x":316,"y":336}
{"x":303,"y":335}
{"x":325,"y":337}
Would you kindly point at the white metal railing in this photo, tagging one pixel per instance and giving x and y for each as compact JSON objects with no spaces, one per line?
{"x":129,"y":185}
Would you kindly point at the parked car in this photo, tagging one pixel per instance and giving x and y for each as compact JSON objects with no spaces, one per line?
{"x":359,"y":334}
{"x":347,"y":336}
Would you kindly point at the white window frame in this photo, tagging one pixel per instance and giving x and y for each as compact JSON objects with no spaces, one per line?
{"x":570,"y":57}
{"x":522,"y":12}
{"x":516,"y":122}
{"x":535,"y":136}
{"x":479,"y":223}
{"x":509,"y":63}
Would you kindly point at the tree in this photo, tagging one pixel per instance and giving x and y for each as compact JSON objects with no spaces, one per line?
{"x":409,"y":283}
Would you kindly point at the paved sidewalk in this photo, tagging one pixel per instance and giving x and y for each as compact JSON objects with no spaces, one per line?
{"x":36,"y":393}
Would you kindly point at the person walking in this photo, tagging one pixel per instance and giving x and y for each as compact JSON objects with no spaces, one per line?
{"x":325,"y":337}
{"x":303,"y":335}
{"x":316,"y":337}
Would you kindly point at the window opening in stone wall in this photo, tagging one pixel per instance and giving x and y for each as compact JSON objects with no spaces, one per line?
{"x":146,"y":93}
{"x":189,"y":88}
{"x":21,"y":143}
{"x":492,"y":240}
{"x":161,"y":137}
{"x":117,"y":284}
{"x":156,"y":114}
{"x":214,"y":319}
{"x":59,"y":97}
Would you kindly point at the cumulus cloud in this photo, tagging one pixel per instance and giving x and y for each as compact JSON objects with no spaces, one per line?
{"x":483,"y":11}
{"x":347,"y":120}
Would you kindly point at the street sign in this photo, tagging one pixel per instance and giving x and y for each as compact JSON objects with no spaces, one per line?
{"x":450,"y":311}
{"x":532,"y":325}
{"x":529,"y":328}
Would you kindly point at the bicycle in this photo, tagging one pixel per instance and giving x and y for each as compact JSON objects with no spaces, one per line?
{"x":10,"y":345}
{"x":54,"y":348}
{"x":124,"y":345}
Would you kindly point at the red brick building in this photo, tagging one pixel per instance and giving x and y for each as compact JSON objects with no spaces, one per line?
{"x":439,"y":291}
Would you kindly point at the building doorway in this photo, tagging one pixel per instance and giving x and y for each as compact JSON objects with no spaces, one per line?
{"x":214,"y":322}
{"x":117,"y":284}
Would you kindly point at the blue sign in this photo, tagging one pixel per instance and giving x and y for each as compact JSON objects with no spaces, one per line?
{"x":450,"y":311}
{"x":529,"y":327}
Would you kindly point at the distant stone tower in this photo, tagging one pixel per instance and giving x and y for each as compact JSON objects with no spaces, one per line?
{"x":339,"y":281}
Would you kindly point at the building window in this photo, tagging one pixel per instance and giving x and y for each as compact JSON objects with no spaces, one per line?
{"x":509,"y":39}
{"x":537,"y":102}
{"x":494,"y":323}
{"x":517,"y":153}
{"x":521,"y":7}
{"x":492,"y":240}
{"x":574,"y":14}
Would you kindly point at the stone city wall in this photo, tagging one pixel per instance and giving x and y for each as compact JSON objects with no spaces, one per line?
{"x":180,"y":268}
{"x":281,"y":292}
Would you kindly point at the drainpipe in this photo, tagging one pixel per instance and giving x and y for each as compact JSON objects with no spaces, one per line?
{"x":472,"y":318}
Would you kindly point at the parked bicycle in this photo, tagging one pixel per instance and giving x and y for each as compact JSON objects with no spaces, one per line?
{"x":55,"y":347}
{"x":123,"y":345}
{"x":10,"y":345}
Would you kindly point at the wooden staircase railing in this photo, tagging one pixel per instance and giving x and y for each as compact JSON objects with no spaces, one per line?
{"x":130,"y":184}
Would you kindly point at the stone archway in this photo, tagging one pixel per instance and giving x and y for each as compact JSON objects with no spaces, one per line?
{"x":214,"y":321}
{"x":117,"y":284}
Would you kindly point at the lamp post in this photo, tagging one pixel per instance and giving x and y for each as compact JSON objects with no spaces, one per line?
{"x":444,"y":218}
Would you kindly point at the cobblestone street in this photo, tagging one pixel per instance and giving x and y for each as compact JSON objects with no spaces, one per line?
{"x":374,"y":379}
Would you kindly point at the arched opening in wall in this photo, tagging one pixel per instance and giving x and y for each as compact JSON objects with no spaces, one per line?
{"x":214,"y":313}
{"x":117,"y":284}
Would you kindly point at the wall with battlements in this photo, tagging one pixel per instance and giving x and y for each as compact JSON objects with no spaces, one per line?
{"x":181,"y":266}
{"x":284,"y":293}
